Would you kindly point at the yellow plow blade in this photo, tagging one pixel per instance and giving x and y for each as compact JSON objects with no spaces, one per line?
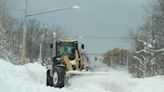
{"x":87,"y":73}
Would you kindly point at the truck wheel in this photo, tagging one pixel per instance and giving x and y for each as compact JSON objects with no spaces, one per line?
{"x":59,"y":76}
{"x":49,"y":79}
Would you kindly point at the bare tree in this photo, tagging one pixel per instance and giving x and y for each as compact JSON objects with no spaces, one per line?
{"x":148,"y":57}
{"x":8,"y":27}
{"x":11,"y":31}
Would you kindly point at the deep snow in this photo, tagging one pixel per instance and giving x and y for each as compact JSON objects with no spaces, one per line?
{"x":32,"y":78}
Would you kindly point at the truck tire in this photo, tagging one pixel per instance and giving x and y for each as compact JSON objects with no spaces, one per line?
{"x":49,"y":79}
{"x":58,"y":78}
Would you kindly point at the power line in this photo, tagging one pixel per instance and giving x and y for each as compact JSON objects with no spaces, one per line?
{"x":51,"y":11}
{"x":104,"y":37}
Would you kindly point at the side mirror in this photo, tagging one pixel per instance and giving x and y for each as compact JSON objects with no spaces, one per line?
{"x":51,"y":45}
{"x":82,"y":46}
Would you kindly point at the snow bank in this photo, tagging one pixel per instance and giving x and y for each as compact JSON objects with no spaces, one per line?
{"x":21,"y":78}
{"x":32,"y":78}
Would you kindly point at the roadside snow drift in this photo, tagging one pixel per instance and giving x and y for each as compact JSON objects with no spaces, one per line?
{"x":32,"y":78}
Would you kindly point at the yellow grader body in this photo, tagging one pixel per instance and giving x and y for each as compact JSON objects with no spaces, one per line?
{"x":68,"y":58}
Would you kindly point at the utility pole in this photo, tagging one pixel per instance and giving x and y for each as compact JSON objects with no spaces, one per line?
{"x":127,"y":61}
{"x":44,"y":46}
{"x":54,"y":40}
{"x":112,"y":59}
{"x":23,"y":58}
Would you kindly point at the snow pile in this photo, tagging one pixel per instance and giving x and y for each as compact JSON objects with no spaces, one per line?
{"x":32,"y":78}
{"x":21,"y":78}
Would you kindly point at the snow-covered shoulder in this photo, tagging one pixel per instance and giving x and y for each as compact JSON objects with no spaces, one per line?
{"x":32,"y":78}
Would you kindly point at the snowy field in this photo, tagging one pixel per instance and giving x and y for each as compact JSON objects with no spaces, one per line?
{"x":32,"y":78}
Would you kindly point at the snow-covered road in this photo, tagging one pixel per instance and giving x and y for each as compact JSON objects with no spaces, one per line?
{"x":32,"y":78}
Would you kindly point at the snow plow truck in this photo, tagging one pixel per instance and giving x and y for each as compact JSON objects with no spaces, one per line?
{"x":68,"y":59}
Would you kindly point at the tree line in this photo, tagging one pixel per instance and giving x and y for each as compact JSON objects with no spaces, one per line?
{"x":147,"y":55}
{"x":39,"y":36}
{"x":116,"y":58}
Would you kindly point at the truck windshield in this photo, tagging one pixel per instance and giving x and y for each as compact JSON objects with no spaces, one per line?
{"x":65,"y":49}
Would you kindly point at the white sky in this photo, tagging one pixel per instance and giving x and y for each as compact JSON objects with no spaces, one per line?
{"x":109,"y":18}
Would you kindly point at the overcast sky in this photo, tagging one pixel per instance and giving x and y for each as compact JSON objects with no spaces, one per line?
{"x":109,"y":18}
